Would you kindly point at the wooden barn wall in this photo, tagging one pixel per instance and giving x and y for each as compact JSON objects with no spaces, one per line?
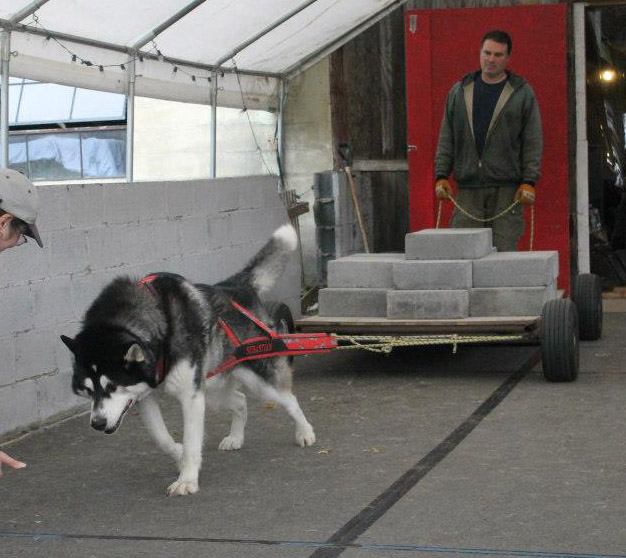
{"x":368,"y":112}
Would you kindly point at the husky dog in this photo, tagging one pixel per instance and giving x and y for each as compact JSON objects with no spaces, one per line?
{"x":140,"y":335}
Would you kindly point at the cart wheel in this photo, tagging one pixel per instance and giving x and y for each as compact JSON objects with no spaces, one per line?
{"x":282,"y":319}
{"x":587,"y":294}
{"x":559,"y":340}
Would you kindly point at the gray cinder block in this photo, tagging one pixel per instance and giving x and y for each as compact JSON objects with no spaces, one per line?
{"x":516,"y":269}
{"x":510,"y":301}
{"x":432,"y":274}
{"x":363,"y":271}
{"x":428,"y":305}
{"x":353,"y":302}
{"x":448,"y":244}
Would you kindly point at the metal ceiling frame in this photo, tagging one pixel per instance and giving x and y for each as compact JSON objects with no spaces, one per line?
{"x":13,"y":24}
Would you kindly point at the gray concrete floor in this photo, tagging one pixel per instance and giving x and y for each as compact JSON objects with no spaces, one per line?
{"x":413,"y":459}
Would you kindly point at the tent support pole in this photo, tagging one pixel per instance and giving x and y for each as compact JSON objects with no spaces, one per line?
{"x":130,"y":119}
{"x":279,"y":132}
{"x":213,"y":159}
{"x":582,"y":148}
{"x":5,"y":49}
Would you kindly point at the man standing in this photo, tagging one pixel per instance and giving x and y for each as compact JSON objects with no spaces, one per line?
{"x":491,"y":139}
{"x":19,"y":207}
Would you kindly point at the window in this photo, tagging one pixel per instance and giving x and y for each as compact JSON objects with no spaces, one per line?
{"x":65,"y":133}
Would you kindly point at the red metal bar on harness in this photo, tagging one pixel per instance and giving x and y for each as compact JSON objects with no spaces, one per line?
{"x":272,"y":345}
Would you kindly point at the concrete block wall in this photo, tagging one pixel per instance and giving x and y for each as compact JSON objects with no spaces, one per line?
{"x":203,"y":229}
{"x":443,"y":274}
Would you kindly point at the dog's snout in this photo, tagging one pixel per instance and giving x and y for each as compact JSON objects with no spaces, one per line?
{"x":98,"y":423}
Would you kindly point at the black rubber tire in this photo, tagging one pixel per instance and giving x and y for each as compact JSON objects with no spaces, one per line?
{"x":281,"y":319}
{"x":559,"y":340}
{"x":587,"y":295}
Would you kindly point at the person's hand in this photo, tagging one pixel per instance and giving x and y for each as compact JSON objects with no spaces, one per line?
{"x":8,"y":460}
{"x":443,"y":190}
{"x":525,"y":194}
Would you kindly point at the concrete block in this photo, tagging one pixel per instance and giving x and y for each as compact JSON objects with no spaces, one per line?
{"x":218,"y":231}
{"x":16,"y":309}
{"x":52,"y":301}
{"x":353,"y":302}
{"x":55,"y":396}
{"x":428,"y":304}
{"x":7,"y":370}
{"x":18,"y":406}
{"x":249,"y":225}
{"x":194,"y":234}
{"x":363,"y":271}
{"x":68,"y":252}
{"x":116,"y":246}
{"x":26,"y":263}
{"x":34,"y":353}
{"x":55,"y":208}
{"x":86,"y":206}
{"x":432,"y":274}
{"x":510,"y":301}
{"x":136,"y":202}
{"x":179,"y":199}
{"x":448,"y":244}
{"x":516,"y":269}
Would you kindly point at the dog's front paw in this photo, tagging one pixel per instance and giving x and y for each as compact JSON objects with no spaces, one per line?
{"x":305,"y":436}
{"x":183,"y":487}
{"x":230,"y":443}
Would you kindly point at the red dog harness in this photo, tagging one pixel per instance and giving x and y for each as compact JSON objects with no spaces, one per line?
{"x":269,"y":345}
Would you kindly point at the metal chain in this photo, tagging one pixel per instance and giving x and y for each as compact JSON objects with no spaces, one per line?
{"x":531,"y":243}
{"x":488,"y":219}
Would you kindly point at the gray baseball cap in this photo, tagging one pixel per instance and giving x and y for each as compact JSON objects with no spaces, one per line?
{"x":19,"y":197}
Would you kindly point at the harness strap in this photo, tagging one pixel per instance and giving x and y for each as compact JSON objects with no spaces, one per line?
{"x":265,"y":346}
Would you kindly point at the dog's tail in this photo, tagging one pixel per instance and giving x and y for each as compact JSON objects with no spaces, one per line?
{"x":264,"y":269}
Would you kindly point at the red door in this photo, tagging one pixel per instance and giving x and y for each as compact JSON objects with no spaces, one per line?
{"x":441,"y":47}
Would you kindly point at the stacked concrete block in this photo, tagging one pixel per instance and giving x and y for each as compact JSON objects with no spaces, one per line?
{"x":516,"y":269}
{"x":510,"y":301}
{"x":513,"y":283}
{"x":448,"y":244}
{"x":444,"y":274}
{"x":427,"y":305}
{"x":363,"y":271}
{"x":432,"y":274}
{"x":371,"y":303}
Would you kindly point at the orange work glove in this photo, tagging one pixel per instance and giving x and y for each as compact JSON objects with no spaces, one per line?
{"x":443,"y":190}
{"x":525,"y":194}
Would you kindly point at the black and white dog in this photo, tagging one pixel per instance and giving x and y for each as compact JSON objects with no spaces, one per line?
{"x":138,"y":336}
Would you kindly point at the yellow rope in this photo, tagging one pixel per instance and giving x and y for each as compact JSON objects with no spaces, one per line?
{"x":386,"y":343}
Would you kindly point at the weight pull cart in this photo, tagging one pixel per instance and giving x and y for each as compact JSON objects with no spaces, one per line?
{"x":562,"y":324}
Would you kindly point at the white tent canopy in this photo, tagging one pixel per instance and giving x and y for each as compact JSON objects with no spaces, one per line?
{"x":176,"y":46}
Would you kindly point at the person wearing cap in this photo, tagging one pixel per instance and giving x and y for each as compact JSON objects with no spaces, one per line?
{"x":19,"y":207}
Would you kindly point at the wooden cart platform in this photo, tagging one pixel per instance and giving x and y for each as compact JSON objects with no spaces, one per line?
{"x":384,"y":326}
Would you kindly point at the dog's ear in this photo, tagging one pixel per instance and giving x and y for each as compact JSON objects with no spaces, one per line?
{"x":135,"y":354}
{"x":69,"y":343}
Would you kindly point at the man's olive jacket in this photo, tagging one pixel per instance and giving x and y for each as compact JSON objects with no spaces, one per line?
{"x":513,"y":146}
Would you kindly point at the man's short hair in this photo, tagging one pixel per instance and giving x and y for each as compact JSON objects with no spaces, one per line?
{"x":501,"y":37}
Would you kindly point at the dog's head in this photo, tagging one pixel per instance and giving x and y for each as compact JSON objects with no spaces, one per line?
{"x":113,"y":369}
